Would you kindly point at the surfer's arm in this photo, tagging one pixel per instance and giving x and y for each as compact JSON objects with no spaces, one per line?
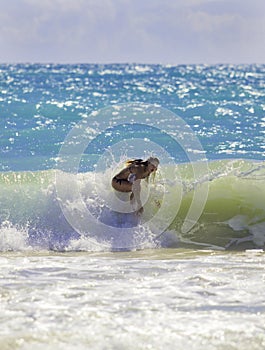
{"x":132,"y":177}
{"x":133,"y":174}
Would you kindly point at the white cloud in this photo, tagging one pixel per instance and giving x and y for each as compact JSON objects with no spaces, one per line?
{"x":133,"y":30}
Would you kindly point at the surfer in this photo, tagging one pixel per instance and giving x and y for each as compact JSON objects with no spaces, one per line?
{"x":128,"y":179}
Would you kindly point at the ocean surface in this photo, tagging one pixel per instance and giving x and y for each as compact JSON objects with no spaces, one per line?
{"x":80,"y":269}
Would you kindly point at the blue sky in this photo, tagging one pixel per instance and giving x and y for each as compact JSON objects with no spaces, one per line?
{"x":147,"y":31}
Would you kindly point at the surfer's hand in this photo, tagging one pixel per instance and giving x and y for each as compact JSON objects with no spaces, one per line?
{"x":131,"y":178}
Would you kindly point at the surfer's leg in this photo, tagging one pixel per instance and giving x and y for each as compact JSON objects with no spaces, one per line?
{"x":135,"y":196}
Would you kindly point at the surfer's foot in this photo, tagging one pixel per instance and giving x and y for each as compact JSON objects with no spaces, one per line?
{"x":140,"y":211}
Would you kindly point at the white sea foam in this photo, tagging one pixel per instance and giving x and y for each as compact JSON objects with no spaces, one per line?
{"x":12,"y":238}
{"x":155,"y":299}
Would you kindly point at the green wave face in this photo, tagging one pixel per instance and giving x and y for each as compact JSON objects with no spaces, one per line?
{"x":234,"y":213}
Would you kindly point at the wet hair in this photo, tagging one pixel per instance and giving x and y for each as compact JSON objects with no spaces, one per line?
{"x":136,"y":162}
{"x":150,"y":160}
{"x":141,"y":162}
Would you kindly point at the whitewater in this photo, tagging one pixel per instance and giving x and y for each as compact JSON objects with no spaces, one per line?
{"x":79,"y":268}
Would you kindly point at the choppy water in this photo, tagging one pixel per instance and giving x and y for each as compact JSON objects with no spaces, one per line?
{"x":64,"y":131}
{"x":145,"y":300}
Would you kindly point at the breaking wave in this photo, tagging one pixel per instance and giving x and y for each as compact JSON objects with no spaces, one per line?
{"x":32,"y":215}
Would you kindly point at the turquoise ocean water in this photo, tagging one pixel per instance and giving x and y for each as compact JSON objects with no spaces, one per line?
{"x":78,"y":268}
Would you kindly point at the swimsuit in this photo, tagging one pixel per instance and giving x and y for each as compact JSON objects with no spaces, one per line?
{"x":120,"y":180}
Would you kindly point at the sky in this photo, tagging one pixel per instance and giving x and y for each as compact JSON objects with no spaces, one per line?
{"x":132,"y":31}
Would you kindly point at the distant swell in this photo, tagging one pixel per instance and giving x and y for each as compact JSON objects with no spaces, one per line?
{"x":233,"y":217}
